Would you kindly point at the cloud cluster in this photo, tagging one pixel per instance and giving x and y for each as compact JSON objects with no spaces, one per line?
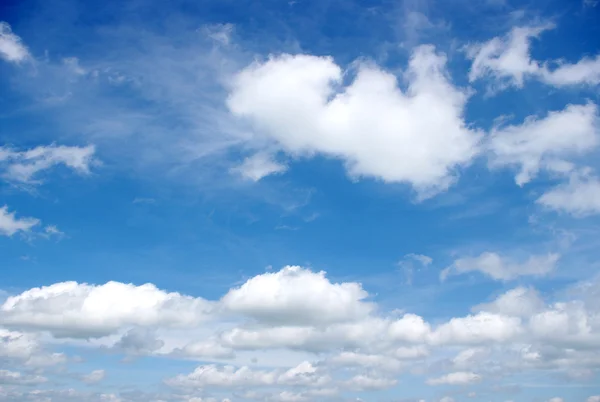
{"x":268,"y":314}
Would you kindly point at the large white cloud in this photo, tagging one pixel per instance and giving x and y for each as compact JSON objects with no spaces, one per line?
{"x":300,"y":296}
{"x":70,"y":309}
{"x":416,"y":136}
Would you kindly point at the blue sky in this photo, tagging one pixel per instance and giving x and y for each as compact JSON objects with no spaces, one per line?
{"x":299,"y":201}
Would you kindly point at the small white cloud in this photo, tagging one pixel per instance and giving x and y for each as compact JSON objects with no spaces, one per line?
{"x":502,"y":268}
{"x":220,"y":33}
{"x":507,"y":61}
{"x":580,"y":196}
{"x":94,"y":377}
{"x":259,"y":166}
{"x":23,"y":166}
{"x":457,"y":378}
{"x":12,"y":48}
{"x":10,"y":224}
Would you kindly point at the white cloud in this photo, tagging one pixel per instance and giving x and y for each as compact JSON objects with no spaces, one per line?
{"x":555,"y":399}
{"x":298,"y":102}
{"x":27,"y":350}
{"x":580,"y":196}
{"x":545,"y":143}
{"x":457,"y":378}
{"x":229,"y":376}
{"x":9,"y":224}
{"x":23,"y":166}
{"x":507,"y":60}
{"x":70,"y":309}
{"x":481,"y":328}
{"x":595,"y":398}
{"x":367,"y":383}
{"x":8,"y":377}
{"x":300,"y":296}
{"x":205,"y":349}
{"x":379,"y":362}
{"x":518,"y":302}
{"x":94,"y":377}
{"x":502,"y":268}
{"x":258,"y":166}
{"x":12,"y":48}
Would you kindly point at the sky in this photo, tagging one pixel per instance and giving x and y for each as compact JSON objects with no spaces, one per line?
{"x":290,"y":201}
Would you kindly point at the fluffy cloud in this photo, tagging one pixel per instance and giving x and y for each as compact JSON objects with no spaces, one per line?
{"x":457,"y":378}
{"x":499,"y":268}
{"x":545,"y":143}
{"x":26,"y":349}
{"x":228,"y":376}
{"x":299,"y":296}
{"x":507,"y":60}
{"x":24,"y":166}
{"x":258,"y":166}
{"x":12,"y":48}
{"x":580,"y":196}
{"x":70,"y":309}
{"x":299,"y":103}
{"x":518,"y":302}
{"x":481,"y":328}
{"x":10,"y":224}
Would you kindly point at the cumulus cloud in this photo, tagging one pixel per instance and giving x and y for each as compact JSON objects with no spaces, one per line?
{"x":24,"y":166}
{"x":10,"y":224}
{"x":502,"y":268}
{"x":417,"y":136}
{"x":517,"y":302}
{"x":258,"y":166}
{"x":12,"y":48}
{"x":71,"y":309}
{"x":507,"y":60}
{"x":545,"y":143}
{"x":26,"y":349}
{"x":298,"y":295}
{"x":457,"y":378}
